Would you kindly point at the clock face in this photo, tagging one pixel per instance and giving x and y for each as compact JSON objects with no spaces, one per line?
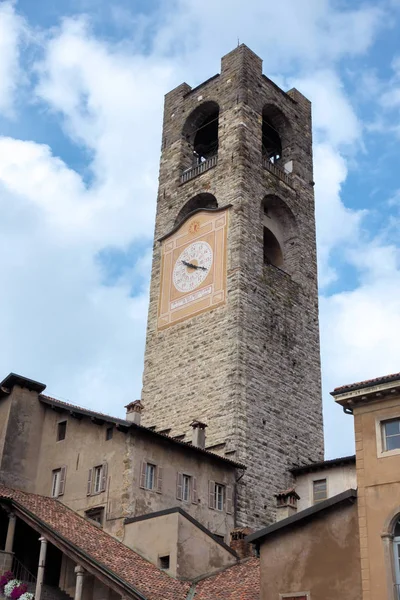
{"x":192,"y":266}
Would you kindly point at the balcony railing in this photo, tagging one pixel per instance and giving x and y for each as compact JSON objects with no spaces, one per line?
{"x":21,"y":572}
{"x":198,"y":169}
{"x":276,"y":170}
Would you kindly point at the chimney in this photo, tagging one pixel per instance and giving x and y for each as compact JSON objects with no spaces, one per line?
{"x":199,"y":434}
{"x":243,"y":549}
{"x":286,"y":504}
{"x":134,"y":411}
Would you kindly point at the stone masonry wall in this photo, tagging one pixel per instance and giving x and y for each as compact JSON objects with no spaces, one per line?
{"x":250,"y":369}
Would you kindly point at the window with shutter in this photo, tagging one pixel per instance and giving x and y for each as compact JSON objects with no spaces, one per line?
{"x":143,"y":474}
{"x":55,"y":483}
{"x":194,"y":491}
{"x":104,"y":471}
{"x":63,"y":474}
{"x":89,"y":483}
{"x":97,"y":479}
{"x":229,"y":499}
{"x":179,"y":486}
{"x":211,"y":494}
{"x":159,"y":479}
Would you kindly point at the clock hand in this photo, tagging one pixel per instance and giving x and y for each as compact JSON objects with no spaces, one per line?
{"x":190,"y":265}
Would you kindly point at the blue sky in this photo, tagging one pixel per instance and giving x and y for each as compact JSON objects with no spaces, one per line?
{"x":81,"y":94}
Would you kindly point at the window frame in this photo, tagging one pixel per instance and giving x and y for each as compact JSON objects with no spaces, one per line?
{"x":150,"y":476}
{"x":222,"y":488}
{"x":59,"y":423}
{"x":97,"y":478}
{"x":100,"y":510}
{"x":91,"y":484}
{"x":157,"y":476}
{"x":109,"y":433}
{"x":380,"y":436}
{"x":58,"y":477}
{"x":313,"y":482}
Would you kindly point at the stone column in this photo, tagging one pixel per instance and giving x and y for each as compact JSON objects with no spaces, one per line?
{"x":40,"y":573}
{"x":12,"y":519}
{"x":80,"y":573}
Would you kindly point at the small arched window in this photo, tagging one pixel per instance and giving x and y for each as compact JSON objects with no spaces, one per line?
{"x":200,"y":134}
{"x":199,"y":201}
{"x":276,"y":134}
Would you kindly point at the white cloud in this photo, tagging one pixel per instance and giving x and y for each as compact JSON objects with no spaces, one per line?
{"x":11,"y":29}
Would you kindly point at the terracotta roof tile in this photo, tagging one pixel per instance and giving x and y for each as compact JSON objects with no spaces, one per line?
{"x":366,"y":383}
{"x":240,"y":582}
{"x":100,"y":546}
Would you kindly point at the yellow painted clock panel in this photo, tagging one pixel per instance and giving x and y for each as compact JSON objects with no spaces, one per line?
{"x":193,"y":268}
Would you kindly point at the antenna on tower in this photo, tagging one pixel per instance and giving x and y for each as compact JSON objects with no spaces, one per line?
{"x":238,"y":43}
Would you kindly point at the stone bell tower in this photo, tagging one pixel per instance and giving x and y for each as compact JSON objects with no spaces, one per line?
{"x":232,"y":338}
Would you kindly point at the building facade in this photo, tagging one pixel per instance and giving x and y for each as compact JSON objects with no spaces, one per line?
{"x":232,"y":337}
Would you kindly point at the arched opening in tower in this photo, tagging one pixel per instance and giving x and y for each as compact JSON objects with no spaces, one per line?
{"x":272,"y":251}
{"x":271,"y":141}
{"x":204,"y":200}
{"x":201,"y":133}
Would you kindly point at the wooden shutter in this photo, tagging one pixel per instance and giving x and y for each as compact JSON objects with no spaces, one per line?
{"x":104,"y":472}
{"x":61,"y":487}
{"x":211,"y":494}
{"x":159,"y":479}
{"x":142,"y":483}
{"x":194,"y":491}
{"x":229,"y":499}
{"x":179,"y":486}
{"x":89,"y":483}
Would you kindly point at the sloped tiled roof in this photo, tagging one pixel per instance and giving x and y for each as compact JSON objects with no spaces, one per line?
{"x":100,"y":546}
{"x":240,"y":582}
{"x":366,"y":383}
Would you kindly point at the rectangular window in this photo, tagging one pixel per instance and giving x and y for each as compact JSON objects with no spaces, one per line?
{"x":320,"y":490}
{"x":149,"y":483}
{"x":95,"y":514}
{"x":61,"y":430}
{"x":219,"y":496}
{"x":58,"y":482}
{"x":186,"y":488}
{"x":109,"y":433}
{"x":97,"y":476}
{"x":97,"y":479}
{"x":391,"y":435}
{"x":163,"y":562}
{"x":151,"y":477}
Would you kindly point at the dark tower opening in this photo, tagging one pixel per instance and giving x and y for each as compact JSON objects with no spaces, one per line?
{"x":201,"y":134}
{"x":275,"y":134}
{"x":271,"y":142}
{"x":199,"y":201}
{"x":272,"y":251}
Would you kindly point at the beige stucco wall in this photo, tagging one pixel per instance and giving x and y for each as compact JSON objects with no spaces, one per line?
{"x":379,"y":497}
{"x":320,"y":557}
{"x":339,"y":479}
{"x":156,"y":537}
{"x":183,"y":461}
{"x":192,"y":552}
{"x":198,"y":553}
{"x":22,"y":440}
{"x":85,"y":446}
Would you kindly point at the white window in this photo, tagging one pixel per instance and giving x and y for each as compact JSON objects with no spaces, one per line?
{"x":58,"y":482}
{"x":98,"y":474}
{"x":150,"y":476}
{"x":391,"y":435}
{"x":320,"y":490}
{"x":219,"y":496}
{"x":97,"y":479}
{"x":186,"y":488}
